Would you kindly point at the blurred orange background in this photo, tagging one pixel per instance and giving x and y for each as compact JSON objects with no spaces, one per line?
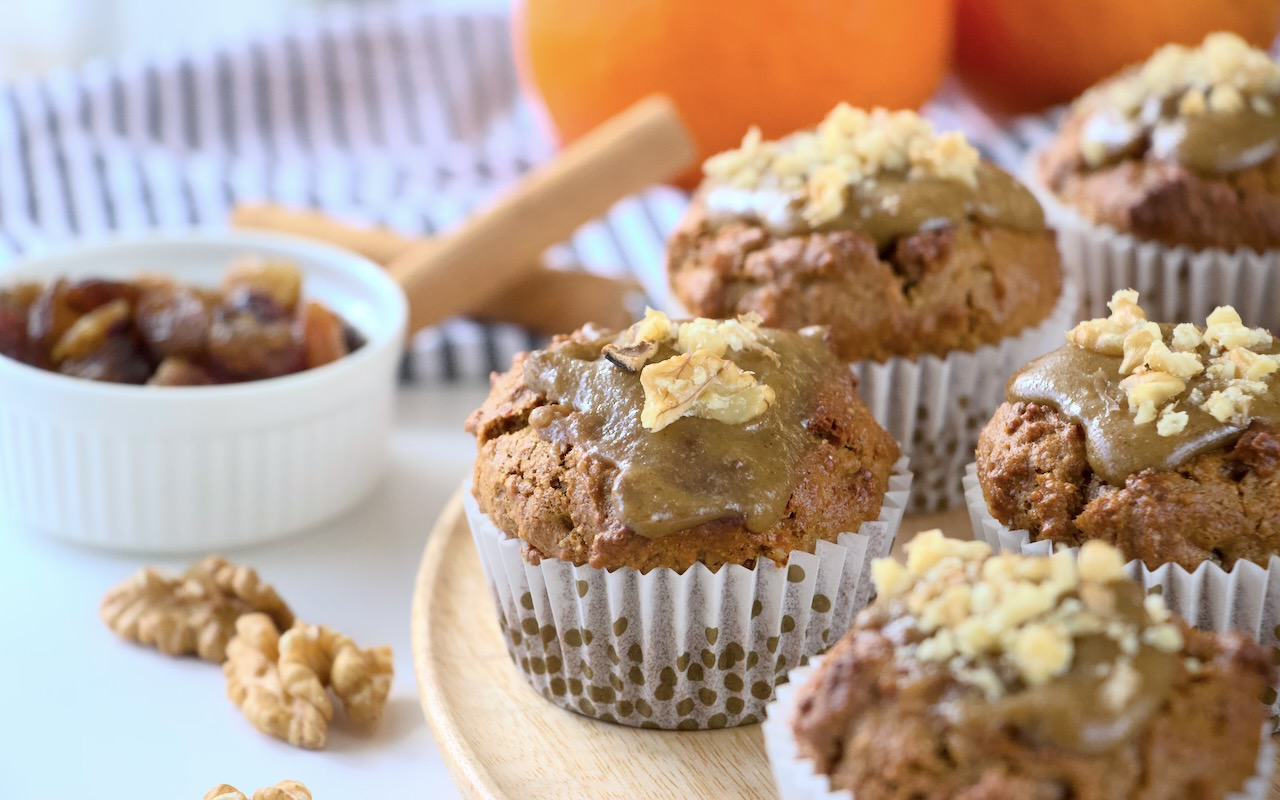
{"x":731,"y":64}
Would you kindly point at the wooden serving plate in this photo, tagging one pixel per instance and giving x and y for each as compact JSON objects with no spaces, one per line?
{"x":502,"y":741}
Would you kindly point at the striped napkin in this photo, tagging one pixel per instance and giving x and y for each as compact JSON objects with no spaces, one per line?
{"x":404,"y":117}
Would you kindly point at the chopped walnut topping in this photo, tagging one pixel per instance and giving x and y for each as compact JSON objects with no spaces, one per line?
{"x":700,"y":381}
{"x":720,"y":336}
{"x":699,"y":384}
{"x":1171,"y":422}
{"x":846,"y":148}
{"x":997,"y":621}
{"x":1107,"y":336}
{"x":1224,"y":75}
{"x":1186,"y":337}
{"x":1157,"y":373}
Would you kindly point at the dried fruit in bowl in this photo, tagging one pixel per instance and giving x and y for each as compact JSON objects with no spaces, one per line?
{"x":154,"y":330}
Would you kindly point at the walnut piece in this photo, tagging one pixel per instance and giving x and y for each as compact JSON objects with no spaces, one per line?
{"x":281,"y":683}
{"x":284,"y":790}
{"x":699,"y":384}
{"x":719,"y":337}
{"x":631,"y":357}
{"x":192,"y":613}
{"x":279,"y":280}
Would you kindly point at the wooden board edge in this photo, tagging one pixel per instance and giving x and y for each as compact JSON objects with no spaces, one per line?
{"x":467,"y":775}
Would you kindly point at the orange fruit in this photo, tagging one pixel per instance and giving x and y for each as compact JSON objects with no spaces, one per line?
{"x":729,"y":64}
{"x":1025,"y":55}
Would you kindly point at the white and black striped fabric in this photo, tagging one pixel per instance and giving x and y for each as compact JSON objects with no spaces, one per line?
{"x":403,"y":117}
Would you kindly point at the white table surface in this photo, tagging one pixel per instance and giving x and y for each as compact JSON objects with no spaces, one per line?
{"x":85,"y":715}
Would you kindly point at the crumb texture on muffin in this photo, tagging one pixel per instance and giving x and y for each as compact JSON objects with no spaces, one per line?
{"x":978,"y":676}
{"x":674,"y":443}
{"x":899,"y":238}
{"x":1161,"y":439}
{"x":1183,"y":150}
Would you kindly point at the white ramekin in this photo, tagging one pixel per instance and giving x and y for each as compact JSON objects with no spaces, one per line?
{"x":197,"y":468}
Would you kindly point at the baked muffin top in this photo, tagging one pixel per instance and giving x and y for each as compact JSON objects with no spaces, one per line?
{"x":1182,"y":150}
{"x":1152,"y":396}
{"x":1214,"y":109}
{"x":1016,"y":676}
{"x":901,"y":240}
{"x":675,"y":442}
{"x":886,"y":174}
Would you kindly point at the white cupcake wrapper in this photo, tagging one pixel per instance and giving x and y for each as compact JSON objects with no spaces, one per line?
{"x":1246,"y":598}
{"x":1176,"y":284}
{"x":678,"y":651}
{"x":797,"y":779}
{"x":937,"y":406}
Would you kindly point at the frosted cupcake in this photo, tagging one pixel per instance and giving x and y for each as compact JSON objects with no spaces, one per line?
{"x":671,"y":515}
{"x":1166,"y":179}
{"x":980,"y":676}
{"x":932,"y":268}
{"x":1160,"y":439}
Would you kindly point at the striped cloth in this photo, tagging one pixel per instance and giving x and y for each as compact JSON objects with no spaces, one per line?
{"x":403,"y":117}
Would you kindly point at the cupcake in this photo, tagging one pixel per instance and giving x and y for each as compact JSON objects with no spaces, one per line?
{"x":1159,"y":439}
{"x":672,"y":515}
{"x":932,"y":269}
{"x":980,"y":676}
{"x":1166,"y":178}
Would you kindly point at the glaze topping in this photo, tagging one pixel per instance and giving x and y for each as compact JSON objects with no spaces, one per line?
{"x":885,"y":174}
{"x":702,"y":420}
{"x":1151,"y":396}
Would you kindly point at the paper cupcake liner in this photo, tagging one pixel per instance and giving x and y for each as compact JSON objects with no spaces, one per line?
{"x":1245,"y":598}
{"x":1177,"y":284}
{"x":678,"y":651}
{"x":797,"y":779}
{"x":937,"y":406}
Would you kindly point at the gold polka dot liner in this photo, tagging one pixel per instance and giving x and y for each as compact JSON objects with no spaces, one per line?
{"x":687,"y":651}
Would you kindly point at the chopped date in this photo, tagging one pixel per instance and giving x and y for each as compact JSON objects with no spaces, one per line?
{"x":278,"y":280}
{"x":118,"y":360}
{"x":178,"y":371}
{"x":51,"y":315}
{"x":88,"y":294}
{"x":91,"y":332}
{"x":173,"y":322}
{"x":322,"y":335}
{"x":246,"y":348}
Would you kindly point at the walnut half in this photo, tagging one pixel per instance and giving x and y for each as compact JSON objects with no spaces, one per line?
{"x":699,"y":384}
{"x":281,"y":683}
{"x":284,"y":790}
{"x":194,"y":613}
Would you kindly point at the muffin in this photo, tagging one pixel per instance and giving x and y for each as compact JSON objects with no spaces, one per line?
{"x":978,"y":676}
{"x":932,"y":268}
{"x":671,"y":514}
{"x":1166,"y":178}
{"x":1159,"y":439}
